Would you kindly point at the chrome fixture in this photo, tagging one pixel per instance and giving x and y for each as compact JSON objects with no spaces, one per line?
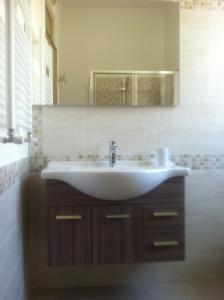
{"x":127,"y":216}
{"x":30,"y":138}
{"x":112,"y":154}
{"x":11,"y":138}
{"x":124,"y":90}
{"x":68,"y":218}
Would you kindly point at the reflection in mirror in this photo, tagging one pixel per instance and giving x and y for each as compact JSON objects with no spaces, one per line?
{"x":140,"y":88}
{"x":134,"y":44}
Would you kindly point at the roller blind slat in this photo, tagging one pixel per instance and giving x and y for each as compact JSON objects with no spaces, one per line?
{"x":23,"y":65}
{"x":3,"y":75}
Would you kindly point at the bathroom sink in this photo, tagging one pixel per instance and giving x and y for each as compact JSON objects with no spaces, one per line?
{"x":130,"y":179}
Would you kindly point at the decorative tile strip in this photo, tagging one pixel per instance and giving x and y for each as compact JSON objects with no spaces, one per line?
{"x":199,"y":162}
{"x":11,"y":173}
{"x":36,"y":148}
{"x":202,"y":4}
{"x":38,"y":163}
{"x":195,"y":162}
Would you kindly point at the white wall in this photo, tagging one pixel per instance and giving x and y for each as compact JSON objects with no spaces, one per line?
{"x":172,"y":42}
{"x":13,"y":256}
{"x":11,"y":153}
{"x":38,"y":16}
{"x":13,"y":216}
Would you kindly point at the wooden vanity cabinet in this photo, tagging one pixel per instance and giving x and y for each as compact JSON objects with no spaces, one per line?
{"x":69,"y":236}
{"x":116,"y":234}
{"x":83,"y":230}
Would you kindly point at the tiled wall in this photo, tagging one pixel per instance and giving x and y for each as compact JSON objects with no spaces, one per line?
{"x":202,"y":4}
{"x":83,"y":134}
{"x":13,"y":188}
{"x":193,"y":131}
{"x":11,"y":173}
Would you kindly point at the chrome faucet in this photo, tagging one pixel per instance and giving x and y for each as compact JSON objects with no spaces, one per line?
{"x":112,"y":154}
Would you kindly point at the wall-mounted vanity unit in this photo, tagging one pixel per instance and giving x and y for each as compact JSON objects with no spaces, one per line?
{"x":140,"y":220}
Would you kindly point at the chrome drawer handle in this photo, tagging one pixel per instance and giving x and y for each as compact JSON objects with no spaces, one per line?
{"x":165,"y":214}
{"x":125,"y":216}
{"x":160,"y":244}
{"x":68,"y":218}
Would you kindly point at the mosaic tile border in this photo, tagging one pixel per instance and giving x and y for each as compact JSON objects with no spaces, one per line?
{"x":200,"y":4}
{"x":208,"y":5}
{"x":11,"y":173}
{"x":195,"y":162}
{"x":36,"y":148}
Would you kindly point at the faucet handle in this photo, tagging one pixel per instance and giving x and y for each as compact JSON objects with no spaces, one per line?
{"x":113,"y":144}
{"x":30,"y":138}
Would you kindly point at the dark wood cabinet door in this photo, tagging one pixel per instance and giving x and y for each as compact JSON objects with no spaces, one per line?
{"x":69,"y":236}
{"x":117,"y":235}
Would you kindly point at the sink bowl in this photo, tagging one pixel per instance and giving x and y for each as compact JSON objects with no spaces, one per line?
{"x":130,"y":179}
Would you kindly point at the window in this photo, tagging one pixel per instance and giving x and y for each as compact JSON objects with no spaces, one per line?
{"x":15,"y":66}
{"x":3,"y":74}
{"x":22,"y":50}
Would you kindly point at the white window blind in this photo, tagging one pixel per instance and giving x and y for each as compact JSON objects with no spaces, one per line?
{"x":22,"y":51}
{"x":3,"y":74}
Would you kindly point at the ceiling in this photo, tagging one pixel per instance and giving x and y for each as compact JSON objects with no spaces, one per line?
{"x":116,"y":3}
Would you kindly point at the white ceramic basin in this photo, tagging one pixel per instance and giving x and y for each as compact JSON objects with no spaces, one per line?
{"x":130,"y":179}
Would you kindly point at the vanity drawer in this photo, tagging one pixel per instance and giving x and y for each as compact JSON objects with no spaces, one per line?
{"x":164,"y":247}
{"x":163,"y":217}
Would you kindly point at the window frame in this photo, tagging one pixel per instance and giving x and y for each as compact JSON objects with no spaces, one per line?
{"x":11,"y":107}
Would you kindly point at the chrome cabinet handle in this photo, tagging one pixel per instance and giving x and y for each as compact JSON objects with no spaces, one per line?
{"x":68,"y":218}
{"x":124,"y":216}
{"x":165,"y":214}
{"x":161,"y":244}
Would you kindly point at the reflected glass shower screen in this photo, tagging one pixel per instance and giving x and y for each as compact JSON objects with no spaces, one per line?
{"x":137,"y":88}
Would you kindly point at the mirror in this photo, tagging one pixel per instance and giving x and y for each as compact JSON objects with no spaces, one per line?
{"x":111,"y":53}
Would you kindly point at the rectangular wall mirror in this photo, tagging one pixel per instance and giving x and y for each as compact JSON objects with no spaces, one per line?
{"x":109,"y":53}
